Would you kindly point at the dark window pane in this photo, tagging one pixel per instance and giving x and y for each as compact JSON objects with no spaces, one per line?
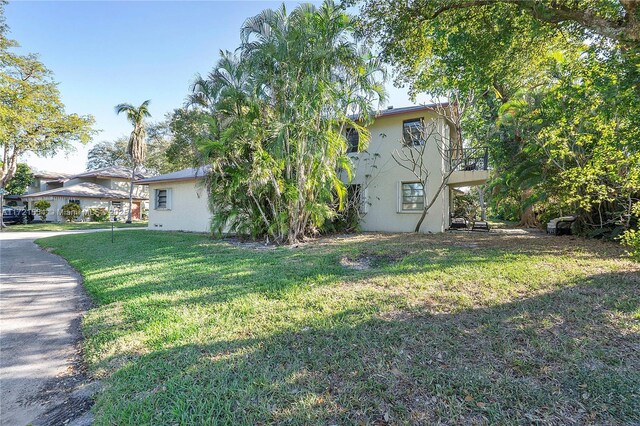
{"x":161,"y":200}
{"x":353,"y":139}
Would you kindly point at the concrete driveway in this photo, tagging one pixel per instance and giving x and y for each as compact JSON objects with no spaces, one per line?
{"x":41,"y":304}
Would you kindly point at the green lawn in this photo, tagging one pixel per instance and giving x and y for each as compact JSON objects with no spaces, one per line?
{"x":370,"y":329}
{"x":73,"y":226}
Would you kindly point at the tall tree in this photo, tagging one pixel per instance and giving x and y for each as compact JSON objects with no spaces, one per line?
{"x":559,"y":83}
{"x":170,"y":146}
{"x":136,"y":146}
{"x":32,"y":116}
{"x":277,"y":110}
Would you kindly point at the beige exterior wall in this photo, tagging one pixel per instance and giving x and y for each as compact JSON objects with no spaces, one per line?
{"x":381,"y":177}
{"x":187,"y":210}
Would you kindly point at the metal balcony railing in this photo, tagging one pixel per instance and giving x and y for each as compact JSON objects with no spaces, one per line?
{"x":469,"y":159}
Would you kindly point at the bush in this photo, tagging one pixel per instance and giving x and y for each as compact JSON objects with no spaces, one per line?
{"x":71,"y":211}
{"x":42,"y":209}
{"x":99,"y":214}
{"x":631,"y":239}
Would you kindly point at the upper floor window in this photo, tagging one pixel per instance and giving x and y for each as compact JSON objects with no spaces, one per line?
{"x":353,"y":140}
{"x":413,"y":132}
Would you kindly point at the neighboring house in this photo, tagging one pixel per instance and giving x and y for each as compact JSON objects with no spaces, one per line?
{"x":107,"y":188}
{"x":178,"y":201}
{"x":391,"y":199}
{"x":42,"y":181}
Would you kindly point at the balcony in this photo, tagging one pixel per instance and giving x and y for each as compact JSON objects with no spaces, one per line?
{"x":471,"y":166}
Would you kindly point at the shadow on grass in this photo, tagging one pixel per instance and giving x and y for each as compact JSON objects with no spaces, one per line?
{"x":569,"y":356}
{"x":141,"y":264}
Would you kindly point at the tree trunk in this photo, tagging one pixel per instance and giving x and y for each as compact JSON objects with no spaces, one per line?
{"x":527,"y":216}
{"x":443,"y":184}
{"x":133,"y":177}
{"x":483,"y":207}
{"x":2,"y":225}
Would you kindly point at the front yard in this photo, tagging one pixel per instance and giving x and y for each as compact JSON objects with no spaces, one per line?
{"x":368,"y":329}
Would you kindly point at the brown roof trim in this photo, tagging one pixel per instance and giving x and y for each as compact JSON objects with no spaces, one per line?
{"x":152,"y":182}
{"x":401,"y":111}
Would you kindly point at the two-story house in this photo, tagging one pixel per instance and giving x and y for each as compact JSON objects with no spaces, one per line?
{"x":392,"y":197}
{"x":408,"y":147}
{"x":107,"y":188}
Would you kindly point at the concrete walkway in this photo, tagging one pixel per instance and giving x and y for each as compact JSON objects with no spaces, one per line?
{"x":41,"y":305}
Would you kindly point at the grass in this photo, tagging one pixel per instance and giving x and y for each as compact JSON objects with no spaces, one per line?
{"x":72,"y":226}
{"x":369,"y":329}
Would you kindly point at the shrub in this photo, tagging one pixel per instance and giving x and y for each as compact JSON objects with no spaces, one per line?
{"x":631,"y":239}
{"x":71,"y":211}
{"x":99,"y":214}
{"x":42,"y":209}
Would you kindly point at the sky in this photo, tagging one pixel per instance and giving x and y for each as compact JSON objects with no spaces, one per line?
{"x":106,"y":53}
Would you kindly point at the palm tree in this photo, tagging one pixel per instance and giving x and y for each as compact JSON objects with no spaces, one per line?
{"x":136,"y":147}
{"x":280,"y":104}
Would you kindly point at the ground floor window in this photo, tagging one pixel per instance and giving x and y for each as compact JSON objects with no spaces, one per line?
{"x":74,"y":202}
{"x":116,"y":205}
{"x":163,"y":199}
{"x":412,"y":196}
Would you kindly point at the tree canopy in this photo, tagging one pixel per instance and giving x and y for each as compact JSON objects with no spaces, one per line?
{"x":20,"y":181}
{"x":557,"y":89}
{"x":170,"y":146}
{"x":32,"y":115}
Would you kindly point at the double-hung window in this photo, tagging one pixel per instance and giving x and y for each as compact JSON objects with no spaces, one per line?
{"x":411,"y":196}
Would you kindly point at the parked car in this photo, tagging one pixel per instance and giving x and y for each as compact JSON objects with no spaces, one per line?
{"x":16,"y":215}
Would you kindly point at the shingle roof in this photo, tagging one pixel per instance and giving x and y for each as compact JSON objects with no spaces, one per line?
{"x":84,"y":190}
{"x":51,"y":175}
{"x":186,"y":174}
{"x":109,"y":172}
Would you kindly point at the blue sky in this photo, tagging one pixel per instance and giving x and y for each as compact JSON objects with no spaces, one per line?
{"x":105,"y":53}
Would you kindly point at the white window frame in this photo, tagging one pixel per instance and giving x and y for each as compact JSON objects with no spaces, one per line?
{"x":401,"y":197}
{"x":167,"y":201}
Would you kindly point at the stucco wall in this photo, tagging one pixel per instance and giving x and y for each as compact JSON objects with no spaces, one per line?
{"x":188,"y":208}
{"x":380,"y":175}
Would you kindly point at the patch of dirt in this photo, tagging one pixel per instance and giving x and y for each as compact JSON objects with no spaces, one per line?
{"x":249,"y":244}
{"x":368,"y":260}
